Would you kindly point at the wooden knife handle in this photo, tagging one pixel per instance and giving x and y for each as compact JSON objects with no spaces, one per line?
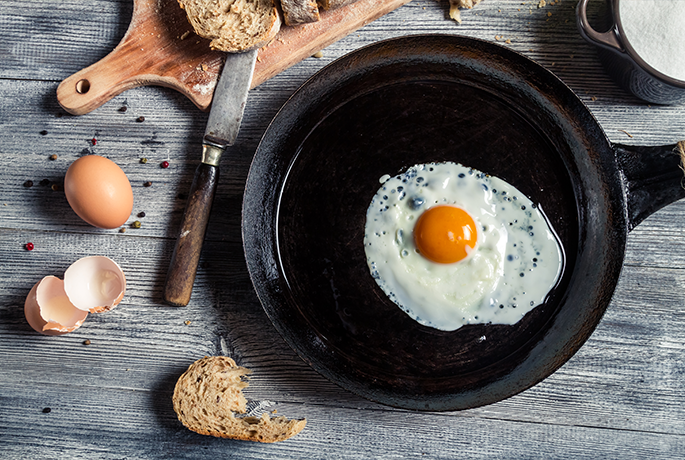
{"x":183,"y":266}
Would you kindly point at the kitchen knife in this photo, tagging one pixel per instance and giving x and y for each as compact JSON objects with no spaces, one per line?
{"x":225,"y":116}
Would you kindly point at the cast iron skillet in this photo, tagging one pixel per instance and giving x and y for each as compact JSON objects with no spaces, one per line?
{"x":423,"y":99}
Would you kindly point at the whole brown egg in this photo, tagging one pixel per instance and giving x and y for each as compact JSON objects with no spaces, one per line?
{"x":98,"y":191}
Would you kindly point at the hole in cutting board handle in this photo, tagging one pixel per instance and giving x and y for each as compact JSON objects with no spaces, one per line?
{"x":82,"y":86}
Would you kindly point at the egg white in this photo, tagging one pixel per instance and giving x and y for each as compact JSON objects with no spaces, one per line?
{"x":516,"y":262}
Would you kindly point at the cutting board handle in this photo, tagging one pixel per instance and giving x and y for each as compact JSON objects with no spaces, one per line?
{"x":89,"y":88}
{"x":159,"y":48}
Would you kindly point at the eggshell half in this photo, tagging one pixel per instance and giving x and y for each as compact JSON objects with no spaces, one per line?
{"x":95,"y":284}
{"x":49,"y":311}
{"x":98,"y":191}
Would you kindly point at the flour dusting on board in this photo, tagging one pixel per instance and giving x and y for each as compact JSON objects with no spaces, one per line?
{"x":205,"y":89}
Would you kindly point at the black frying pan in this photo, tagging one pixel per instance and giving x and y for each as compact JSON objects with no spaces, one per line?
{"x":416,"y":100}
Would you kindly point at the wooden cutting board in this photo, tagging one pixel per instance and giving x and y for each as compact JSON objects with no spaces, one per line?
{"x":160,"y":48}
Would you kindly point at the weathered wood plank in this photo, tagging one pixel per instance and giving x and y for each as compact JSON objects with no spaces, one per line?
{"x":77,"y":431}
{"x":621,"y":396}
{"x":632,"y":340}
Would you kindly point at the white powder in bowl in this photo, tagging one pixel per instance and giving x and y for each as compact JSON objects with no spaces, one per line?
{"x":654,"y":28}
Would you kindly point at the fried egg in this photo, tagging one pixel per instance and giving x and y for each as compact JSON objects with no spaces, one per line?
{"x":452,"y":246}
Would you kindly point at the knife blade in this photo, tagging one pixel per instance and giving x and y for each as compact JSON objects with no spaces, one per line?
{"x":223,"y":125}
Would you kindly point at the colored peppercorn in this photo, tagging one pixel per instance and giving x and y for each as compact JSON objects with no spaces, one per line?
{"x":164,"y":164}
{"x":136,"y":224}
{"x":29,"y":246}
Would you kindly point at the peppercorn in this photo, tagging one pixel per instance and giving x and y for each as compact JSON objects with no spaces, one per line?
{"x":136,"y":224}
{"x":164,"y":164}
{"x":28,"y":183}
{"x":141,"y":214}
{"x":45,"y":182}
{"x":123,"y":108}
{"x":29,"y":246}
{"x":140,"y":119}
{"x":53,"y":156}
{"x":94,"y":141}
{"x":86,"y":342}
{"x":43,"y":133}
{"x":46,"y":410}
{"x":143,"y":160}
{"x":147,"y":184}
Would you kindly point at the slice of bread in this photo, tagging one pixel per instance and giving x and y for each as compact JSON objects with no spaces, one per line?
{"x":208,"y":395}
{"x":233,"y":25}
{"x":299,"y":11}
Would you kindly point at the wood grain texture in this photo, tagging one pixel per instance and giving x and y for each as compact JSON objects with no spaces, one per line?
{"x":161,"y":48}
{"x":622,"y":396}
{"x":178,"y":286}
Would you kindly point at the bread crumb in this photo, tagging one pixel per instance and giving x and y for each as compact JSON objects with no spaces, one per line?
{"x":542,"y":4}
{"x":186,"y":322}
{"x":318,"y":54}
{"x":456,"y":4}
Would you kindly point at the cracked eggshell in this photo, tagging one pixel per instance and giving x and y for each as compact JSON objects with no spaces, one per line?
{"x":48,"y":309}
{"x":95,"y":284}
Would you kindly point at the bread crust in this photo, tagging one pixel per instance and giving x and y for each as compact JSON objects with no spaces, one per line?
{"x":332,"y":4}
{"x":299,"y":11}
{"x":207,"y":396}
{"x":233,"y":25}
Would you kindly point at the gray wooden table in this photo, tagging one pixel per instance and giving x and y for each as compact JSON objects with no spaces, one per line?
{"x":622,"y":396}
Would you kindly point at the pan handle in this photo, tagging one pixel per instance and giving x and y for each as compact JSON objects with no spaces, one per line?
{"x":608,"y":39}
{"x":654,"y":178}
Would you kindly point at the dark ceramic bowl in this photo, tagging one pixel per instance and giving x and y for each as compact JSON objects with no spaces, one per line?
{"x":624,"y":64}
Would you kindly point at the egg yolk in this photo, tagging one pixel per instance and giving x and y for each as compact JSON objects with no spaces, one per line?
{"x":443,"y":233}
